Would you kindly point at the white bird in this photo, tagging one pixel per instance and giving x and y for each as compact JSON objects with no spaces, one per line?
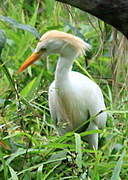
{"x":73,"y":97}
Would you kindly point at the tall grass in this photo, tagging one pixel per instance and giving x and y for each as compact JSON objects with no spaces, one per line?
{"x":29,"y":146}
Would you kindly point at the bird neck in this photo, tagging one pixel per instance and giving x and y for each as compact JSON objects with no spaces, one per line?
{"x":63,"y":68}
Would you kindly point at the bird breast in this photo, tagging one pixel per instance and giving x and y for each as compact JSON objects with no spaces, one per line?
{"x":71,"y":106}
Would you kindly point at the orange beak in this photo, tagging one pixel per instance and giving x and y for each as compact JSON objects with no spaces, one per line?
{"x":29,"y":61}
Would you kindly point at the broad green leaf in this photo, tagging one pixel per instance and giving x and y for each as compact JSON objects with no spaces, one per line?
{"x":2,"y":40}
{"x":78,"y":151}
{"x":25,"y":27}
{"x":28,"y":89}
{"x":117,"y":169}
{"x":20,"y":152}
{"x":13,"y":174}
{"x":31,"y":88}
{"x":4,"y":68}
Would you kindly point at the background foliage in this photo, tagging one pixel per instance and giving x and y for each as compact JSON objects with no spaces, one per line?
{"x":29,"y":145}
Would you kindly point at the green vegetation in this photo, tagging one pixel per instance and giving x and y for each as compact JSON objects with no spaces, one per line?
{"x":29,"y":146}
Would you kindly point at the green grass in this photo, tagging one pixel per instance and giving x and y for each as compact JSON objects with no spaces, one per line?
{"x":30,"y":148}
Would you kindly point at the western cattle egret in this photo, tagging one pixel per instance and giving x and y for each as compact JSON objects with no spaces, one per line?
{"x":73,"y":97}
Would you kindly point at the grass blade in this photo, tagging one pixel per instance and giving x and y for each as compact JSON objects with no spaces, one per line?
{"x":39,"y":172}
{"x":117,"y":169}
{"x":78,"y":151}
{"x":51,"y":171}
{"x":49,"y":6}
{"x":84,"y":70}
{"x":13,"y":174}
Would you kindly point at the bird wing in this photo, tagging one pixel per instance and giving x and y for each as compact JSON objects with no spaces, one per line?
{"x":90,"y":96}
{"x":52,"y":101}
{"x":97,"y":107}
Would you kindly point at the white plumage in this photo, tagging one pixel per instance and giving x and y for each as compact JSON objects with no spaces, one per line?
{"x":73,"y":97}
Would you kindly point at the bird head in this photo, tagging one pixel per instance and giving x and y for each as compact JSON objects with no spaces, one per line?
{"x":55,"y":42}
